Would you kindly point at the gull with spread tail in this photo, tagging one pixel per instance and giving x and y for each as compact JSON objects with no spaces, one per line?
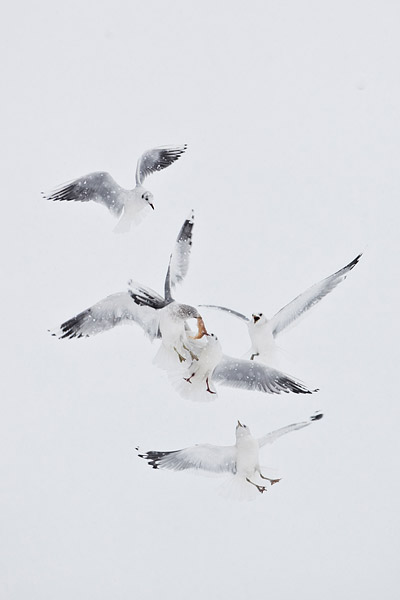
{"x":125,"y":204}
{"x":240,"y":461}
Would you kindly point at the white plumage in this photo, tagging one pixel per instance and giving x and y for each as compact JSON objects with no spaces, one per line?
{"x":125,"y":204}
{"x":240,"y":461}
{"x":211,"y":367}
{"x":263,"y":331}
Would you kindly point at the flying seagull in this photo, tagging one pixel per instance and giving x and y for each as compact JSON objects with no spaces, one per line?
{"x":212,"y":367}
{"x":102,"y":188}
{"x":121,"y":308}
{"x":263,"y":331}
{"x":160,"y":317}
{"x":241,"y":461}
{"x":172,"y":319}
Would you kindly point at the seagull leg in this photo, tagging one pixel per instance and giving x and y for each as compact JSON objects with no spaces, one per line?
{"x":271,"y":480}
{"x":208,"y":387}
{"x":189,"y":378}
{"x":192,"y":355}
{"x":261,"y":488}
{"x":252,"y":357}
{"x":181,"y":358}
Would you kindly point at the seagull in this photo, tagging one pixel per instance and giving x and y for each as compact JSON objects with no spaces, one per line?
{"x":211,"y":366}
{"x":172,"y":317}
{"x":159,"y":317}
{"x":102,"y":188}
{"x":241,"y":461}
{"x":263,"y":331}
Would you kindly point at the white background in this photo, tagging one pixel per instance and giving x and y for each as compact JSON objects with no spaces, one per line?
{"x":291,"y":113}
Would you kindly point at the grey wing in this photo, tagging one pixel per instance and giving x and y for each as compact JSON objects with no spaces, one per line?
{"x":255,"y":376}
{"x":179,"y":263}
{"x":179,"y":260}
{"x":274,"y":435}
{"x":99,"y":187}
{"x":117,"y":309}
{"x":205,"y":457}
{"x":228,"y":310}
{"x":145,"y":296}
{"x":157,"y":159}
{"x":300,"y":305}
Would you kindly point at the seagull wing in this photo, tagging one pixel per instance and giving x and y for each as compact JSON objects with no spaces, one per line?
{"x":114,"y":310}
{"x":228,"y":310}
{"x":145,"y":296}
{"x":179,"y":259}
{"x":300,"y":305}
{"x":205,"y":457}
{"x":181,"y":252}
{"x":99,"y":187}
{"x":157,"y":159}
{"x":269,"y":438}
{"x":255,"y":376}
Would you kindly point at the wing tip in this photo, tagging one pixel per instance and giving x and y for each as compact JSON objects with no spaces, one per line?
{"x":317,"y":417}
{"x":354,"y":262}
{"x":153,"y":457}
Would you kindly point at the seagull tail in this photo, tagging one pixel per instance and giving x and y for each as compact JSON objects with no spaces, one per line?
{"x":168,"y":360}
{"x":236,"y":488}
{"x":196,"y":391}
{"x":123,"y":225}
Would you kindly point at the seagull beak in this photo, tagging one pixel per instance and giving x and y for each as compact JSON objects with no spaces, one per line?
{"x":152,"y":205}
{"x":255,"y":318}
{"x":239,"y":424}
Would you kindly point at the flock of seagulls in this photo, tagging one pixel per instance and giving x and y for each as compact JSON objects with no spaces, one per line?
{"x":193,"y":358}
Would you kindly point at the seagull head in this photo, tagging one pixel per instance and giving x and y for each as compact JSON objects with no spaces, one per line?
{"x":185,"y":311}
{"x":148,"y":197}
{"x":259,"y":319}
{"x":242,"y":430}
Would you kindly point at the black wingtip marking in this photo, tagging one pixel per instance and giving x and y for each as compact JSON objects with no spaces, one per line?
{"x":317,"y":417}
{"x":354,"y":262}
{"x":153,"y":457}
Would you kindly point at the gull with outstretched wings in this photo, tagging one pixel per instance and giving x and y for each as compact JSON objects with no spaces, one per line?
{"x":263,"y":331}
{"x":159,"y":317}
{"x":211,"y":367}
{"x":125,"y":204}
{"x":241,"y":460}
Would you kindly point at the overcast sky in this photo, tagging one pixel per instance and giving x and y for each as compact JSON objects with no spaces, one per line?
{"x":291,"y":115}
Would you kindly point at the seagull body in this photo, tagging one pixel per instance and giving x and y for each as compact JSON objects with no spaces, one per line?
{"x":240,"y":461}
{"x":197,"y":383}
{"x":125,"y":204}
{"x":211,"y":367}
{"x":263,"y":332}
{"x":173,"y":333}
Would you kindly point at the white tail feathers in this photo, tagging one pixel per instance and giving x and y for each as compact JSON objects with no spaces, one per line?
{"x":123,"y":225}
{"x":132,"y":215}
{"x":195,"y":390}
{"x":235,"y":487}
{"x":168,"y":360}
